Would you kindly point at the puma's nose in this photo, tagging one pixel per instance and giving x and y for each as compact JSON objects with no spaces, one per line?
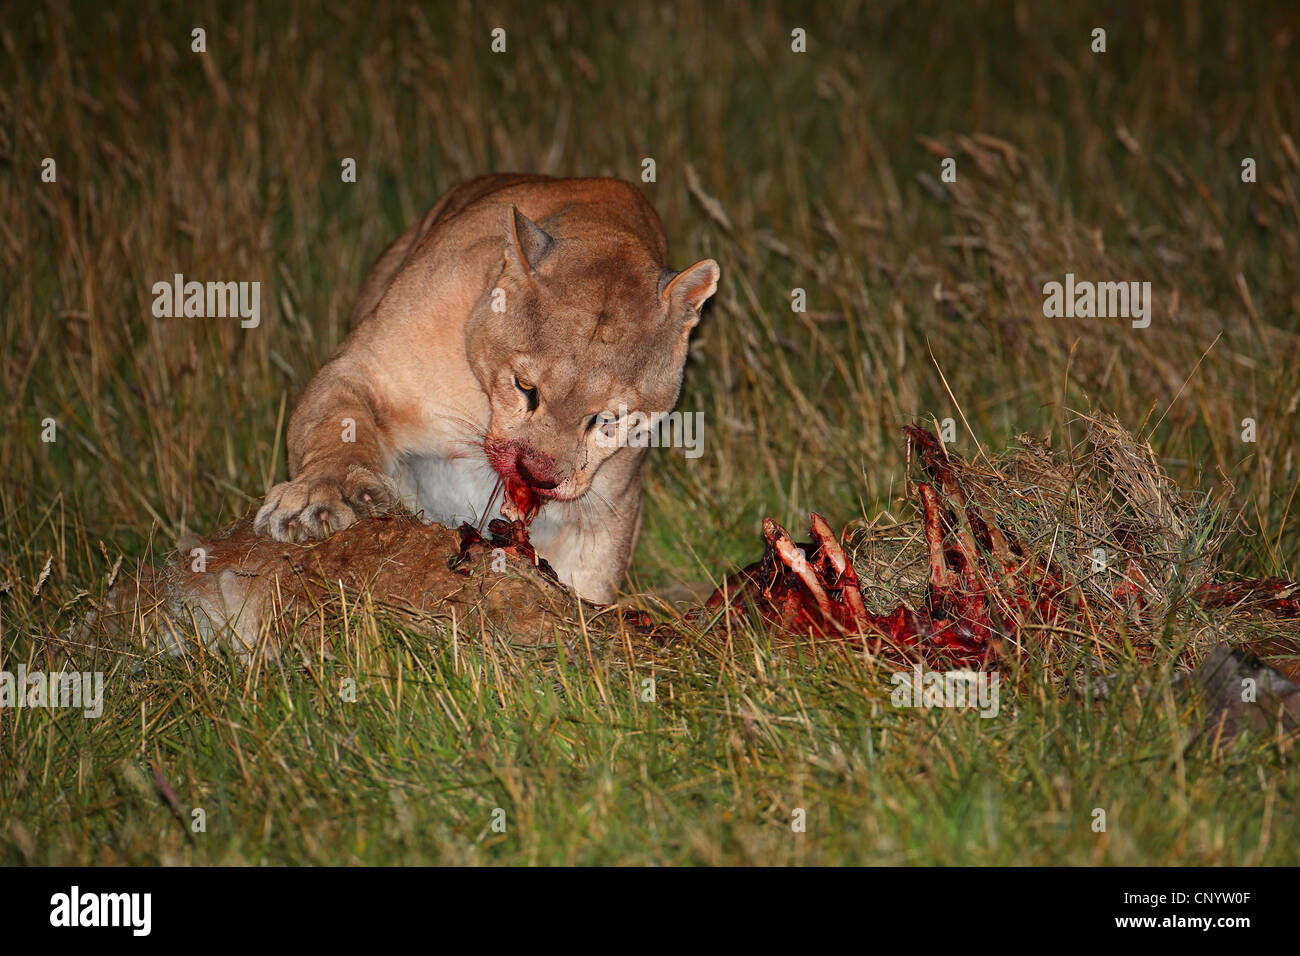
{"x":529,"y":478}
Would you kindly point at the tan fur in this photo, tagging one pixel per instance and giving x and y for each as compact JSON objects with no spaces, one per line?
{"x":593,"y":319}
{"x":257,"y":598}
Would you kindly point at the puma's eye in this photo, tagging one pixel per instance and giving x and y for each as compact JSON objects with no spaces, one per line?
{"x":529,"y":391}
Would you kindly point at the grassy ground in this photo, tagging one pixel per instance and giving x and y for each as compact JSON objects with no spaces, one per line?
{"x":818,"y":171}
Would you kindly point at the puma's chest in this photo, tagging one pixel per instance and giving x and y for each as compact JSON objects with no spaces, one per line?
{"x":449,"y":490}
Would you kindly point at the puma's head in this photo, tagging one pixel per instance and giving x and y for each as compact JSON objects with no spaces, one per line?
{"x":577,"y":327}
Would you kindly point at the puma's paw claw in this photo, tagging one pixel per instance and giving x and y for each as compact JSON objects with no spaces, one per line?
{"x":314,"y":505}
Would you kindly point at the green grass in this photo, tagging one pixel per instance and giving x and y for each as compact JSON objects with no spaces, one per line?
{"x":824,"y":170}
{"x":586,"y":771}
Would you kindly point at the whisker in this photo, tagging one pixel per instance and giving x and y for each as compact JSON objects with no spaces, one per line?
{"x":475,"y":429}
{"x":598,"y":498}
{"x":475,"y":442}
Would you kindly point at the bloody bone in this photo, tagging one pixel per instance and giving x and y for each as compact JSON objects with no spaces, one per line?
{"x":813,"y":587}
{"x":526,"y":501}
{"x":508,"y":536}
{"x":982,"y":591}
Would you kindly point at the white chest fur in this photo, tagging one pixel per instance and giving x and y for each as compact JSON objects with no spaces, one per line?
{"x":452,"y":491}
{"x":449,"y":491}
{"x":455,"y":490}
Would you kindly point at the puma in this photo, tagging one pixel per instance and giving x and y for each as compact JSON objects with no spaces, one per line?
{"x":489,"y":345}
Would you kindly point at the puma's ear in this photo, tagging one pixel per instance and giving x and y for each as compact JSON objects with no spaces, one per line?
{"x":528,"y":244}
{"x":690,"y":288}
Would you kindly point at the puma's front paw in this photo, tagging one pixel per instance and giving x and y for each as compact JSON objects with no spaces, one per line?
{"x":320,"y":501}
